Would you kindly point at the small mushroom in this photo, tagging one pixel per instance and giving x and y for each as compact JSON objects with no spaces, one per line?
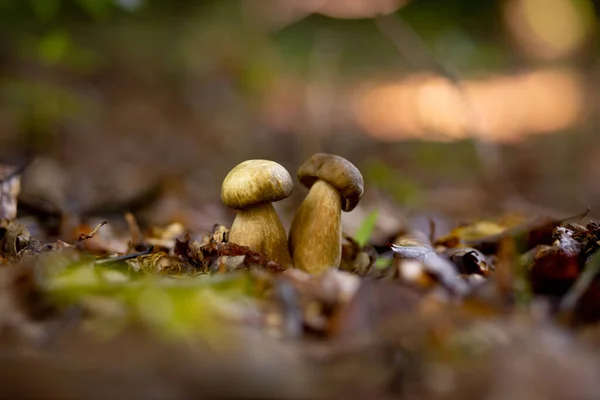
{"x":335,"y":185}
{"x":250,"y":188}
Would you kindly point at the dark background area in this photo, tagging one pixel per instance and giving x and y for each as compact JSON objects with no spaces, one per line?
{"x":146,"y":105}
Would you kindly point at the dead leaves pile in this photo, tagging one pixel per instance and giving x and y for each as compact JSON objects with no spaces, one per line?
{"x":450,"y":299}
{"x":517,"y":258}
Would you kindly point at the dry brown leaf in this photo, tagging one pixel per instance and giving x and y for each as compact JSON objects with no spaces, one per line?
{"x":356,"y":259}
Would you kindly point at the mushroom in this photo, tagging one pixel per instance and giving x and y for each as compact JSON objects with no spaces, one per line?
{"x":335,"y":185}
{"x":250,"y":188}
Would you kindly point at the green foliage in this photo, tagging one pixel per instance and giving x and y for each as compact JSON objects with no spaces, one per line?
{"x":54,"y":46}
{"x":383,"y":262}
{"x":365,"y":230}
{"x":171,"y":307}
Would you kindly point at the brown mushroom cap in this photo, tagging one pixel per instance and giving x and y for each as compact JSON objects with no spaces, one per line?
{"x":336,"y":171}
{"x":256,"y":182}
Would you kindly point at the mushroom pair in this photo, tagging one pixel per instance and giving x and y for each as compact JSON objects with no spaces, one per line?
{"x":315,"y":240}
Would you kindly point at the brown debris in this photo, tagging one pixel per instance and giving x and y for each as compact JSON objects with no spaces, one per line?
{"x":93,"y":232}
{"x":251,"y":258}
{"x":553,"y":271}
{"x":356,"y":259}
{"x":218,"y":256}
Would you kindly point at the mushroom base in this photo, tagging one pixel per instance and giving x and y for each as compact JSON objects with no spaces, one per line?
{"x":316,"y":231}
{"x":259,"y":228}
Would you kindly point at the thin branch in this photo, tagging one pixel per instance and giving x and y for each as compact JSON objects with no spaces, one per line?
{"x":125,"y":257}
{"x":410,"y":45}
{"x":318,"y":97}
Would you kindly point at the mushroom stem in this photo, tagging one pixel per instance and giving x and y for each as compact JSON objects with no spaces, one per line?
{"x":317,"y":246}
{"x":259,"y":228}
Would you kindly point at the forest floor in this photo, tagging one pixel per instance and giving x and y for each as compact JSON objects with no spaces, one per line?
{"x":498,"y":308}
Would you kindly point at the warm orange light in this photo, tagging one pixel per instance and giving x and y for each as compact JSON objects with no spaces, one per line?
{"x":499,"y":108}
{"x":358,"y":8}
{"x":280,"y":13}
{"x":549,"y":28}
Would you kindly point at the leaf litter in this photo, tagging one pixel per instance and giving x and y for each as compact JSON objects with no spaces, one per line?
{"x":443,"y":318}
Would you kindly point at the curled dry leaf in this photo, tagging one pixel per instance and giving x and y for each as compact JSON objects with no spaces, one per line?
{"x":553,"y":271}
{"x":433,"y":264}
{"x":356,"y":259}
{"x":159,"y":263}
{"x":487,"y":236}
{"x":555,"y":268}
{"x":251,"y":258}
{"x":192,"y":252}
{"x":470,"y":261}
{"x":222,"y":257}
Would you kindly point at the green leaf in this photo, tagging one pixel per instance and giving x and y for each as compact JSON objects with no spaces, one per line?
{"x":54,"y":47}
{"x":383,"y":262}
{"x":365,"y":230}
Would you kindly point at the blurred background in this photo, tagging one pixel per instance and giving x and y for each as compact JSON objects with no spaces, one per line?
{"x":452,"y":110}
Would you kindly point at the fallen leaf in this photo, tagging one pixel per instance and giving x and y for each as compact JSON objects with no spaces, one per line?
{"x":357,"y":259}
{"x":193,"y":252}
{"x":433,"y":263}
{"x":553,"y":271}
{"x":486,"y":236}
{"x":251,"y":258}
{"x":470,"y":261}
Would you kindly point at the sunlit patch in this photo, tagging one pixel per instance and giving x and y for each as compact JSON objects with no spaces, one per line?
{"x":498,"y":108}
{"x":549,"y":28}
{"x":278,"y":14}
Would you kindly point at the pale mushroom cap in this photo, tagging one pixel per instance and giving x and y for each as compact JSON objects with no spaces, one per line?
{"x":255,"y":182}
{"x":336,"y":171}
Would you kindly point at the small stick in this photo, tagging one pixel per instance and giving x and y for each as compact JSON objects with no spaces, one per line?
{"x":410,"y":45}
{"x":125,"y":257}
{"x":134,"y":228}
{"x":86,"y":236}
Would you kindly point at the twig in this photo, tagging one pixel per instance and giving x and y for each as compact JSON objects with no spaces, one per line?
{"x":125,"y":257}
{"x":134,"y":228}
{"x":86,"y":236}
{"x":411,"y":47}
